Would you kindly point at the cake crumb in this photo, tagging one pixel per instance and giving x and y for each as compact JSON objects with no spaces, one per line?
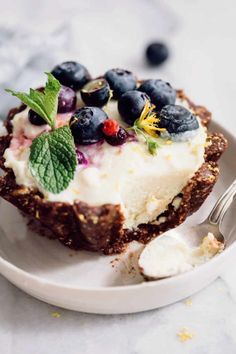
{"x":114,"y":262}
{"x":184,"y":335}
{"x":81,"y":217}
{"x":94,"y":219}
{"x":56,"y":314}
{"x":207,"y":144}
{"x":188,"y":302}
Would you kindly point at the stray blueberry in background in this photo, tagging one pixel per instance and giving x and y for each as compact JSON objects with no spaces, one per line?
{"x":157,"y":53}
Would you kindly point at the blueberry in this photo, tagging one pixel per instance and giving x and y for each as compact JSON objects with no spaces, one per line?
{"x":35,"y":119}
{"x":157,"y":53}
{"x":131,"y":104}
{"x":119,"y":138}
{"x":71,"y":74}
{"x":66,"y":100}
{"x":96,"y":93}
{"x":120,"y":81}
{"x":177,"y":119}
{"x":86,"y":125}
{"x":160,"y":92}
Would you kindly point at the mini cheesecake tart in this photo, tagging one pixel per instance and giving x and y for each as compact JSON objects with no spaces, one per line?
{"x":128,"y":175}
{"x":141,"y":168}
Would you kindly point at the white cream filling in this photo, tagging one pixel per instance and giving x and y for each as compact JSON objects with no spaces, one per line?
{"x":128,"y":175}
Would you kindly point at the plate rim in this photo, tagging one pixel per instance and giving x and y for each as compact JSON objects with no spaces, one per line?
{"x":182,"y":276}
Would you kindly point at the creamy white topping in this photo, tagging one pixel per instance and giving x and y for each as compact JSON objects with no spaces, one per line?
{"x":128,"y":175}
{"x":169,"y":255}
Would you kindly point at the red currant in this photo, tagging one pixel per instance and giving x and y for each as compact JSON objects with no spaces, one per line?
{"x":110,"y":127}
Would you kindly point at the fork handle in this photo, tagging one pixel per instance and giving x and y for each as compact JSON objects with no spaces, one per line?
{"x":223,"y":203}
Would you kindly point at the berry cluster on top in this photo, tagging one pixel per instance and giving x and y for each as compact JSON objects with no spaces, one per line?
{"x":90,"y":124}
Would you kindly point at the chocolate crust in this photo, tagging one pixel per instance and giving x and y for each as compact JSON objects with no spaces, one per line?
{"x":80,"y":226}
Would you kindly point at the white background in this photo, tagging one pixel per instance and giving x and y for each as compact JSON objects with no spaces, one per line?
{"x":104,"y":34}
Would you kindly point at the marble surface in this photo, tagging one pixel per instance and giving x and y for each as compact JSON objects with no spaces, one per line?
{"x":202,"y":37}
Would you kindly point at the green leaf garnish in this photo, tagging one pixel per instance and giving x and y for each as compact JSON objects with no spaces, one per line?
{"x":152,"y":146}
{"x":44,"y":103}
{"x":147,"y":126}
{"x":52,"y":160}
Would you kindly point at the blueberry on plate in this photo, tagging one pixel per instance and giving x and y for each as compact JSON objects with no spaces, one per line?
{"x":120,"y":81}
{"x":86,"y":125}
{"x":131,"y":104}
{"x":157,"y":53}
{"x":96,"y":93}
{"x":66,"y":100}
{"x":160,"y":92}
{"x":71,"y":74}
{"x":35,"y":119}
{"x":177,"y":120}
{"x":119,"y":138}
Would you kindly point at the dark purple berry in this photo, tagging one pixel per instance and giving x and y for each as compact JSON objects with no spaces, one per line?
{"x":66,"y":100}
{"x":96,"y":93}
{"x":81,"y":158}
{"x":35,"y":119}
{"x":71,"y":74}
{"x":131,"y":104}
{"x":86,"y":125}
{"x":157,"y":53}
{"x":119,"y":138}
{"x":120,"y":81}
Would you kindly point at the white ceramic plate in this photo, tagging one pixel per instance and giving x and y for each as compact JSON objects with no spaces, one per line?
{"x":89,"y":282}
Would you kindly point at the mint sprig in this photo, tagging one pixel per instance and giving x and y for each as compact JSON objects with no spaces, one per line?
{"x":52,"y":160}
{"x":44,"y":103}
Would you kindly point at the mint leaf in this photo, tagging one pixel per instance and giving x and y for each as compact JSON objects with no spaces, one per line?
{"x":29,"y":101}
{"x":44,"y":103}
{"x":51,"y":93}
{"x":52,"y":160}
